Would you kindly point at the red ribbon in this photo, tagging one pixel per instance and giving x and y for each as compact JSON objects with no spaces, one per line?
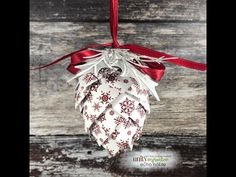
{"x":114,"y":22}
{"x":155,"y":70}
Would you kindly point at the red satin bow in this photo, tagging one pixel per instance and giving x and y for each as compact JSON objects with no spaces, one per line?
{"x":155,"y":70}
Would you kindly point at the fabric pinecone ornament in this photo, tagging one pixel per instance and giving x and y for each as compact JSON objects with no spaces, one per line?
{"x":114,"y":85}
{"x":112,"y":99}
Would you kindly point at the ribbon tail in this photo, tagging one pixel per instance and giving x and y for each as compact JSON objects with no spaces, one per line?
{"x":188,"y":64}
{"x":76,"y":57}
{"x":54,"y":62}
{"x":152,"y":53}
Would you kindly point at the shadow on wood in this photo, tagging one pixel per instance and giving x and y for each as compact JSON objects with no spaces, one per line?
{"x":79,"y":155}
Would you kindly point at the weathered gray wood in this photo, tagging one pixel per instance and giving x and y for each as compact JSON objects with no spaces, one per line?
{"x":182,"y":91}
{"x":129,"y":10}
{"x":53,"y":39}
{"x":80,"y":156}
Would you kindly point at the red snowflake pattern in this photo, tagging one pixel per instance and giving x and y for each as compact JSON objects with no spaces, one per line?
{"x":111,"y":78}
{"x":138,"y":133}
{"x":141,"y":91}
{"x":119,"y":120}
{"x":122,"y":144}
{"x":127,"y":106}
{"x":114,"y":134}
{"x":92,"y":117}
{"x":89,"y":77}
{"x":96,"y":107}
{"x":111,"y":112}
{"x":127,"y":124}
{"x":96,"y":129}
{"x":107,"y":130}
{"x":103,"y":70}
{"x":105,"y":97}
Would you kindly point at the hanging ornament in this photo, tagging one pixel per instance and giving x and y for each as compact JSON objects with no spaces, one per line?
{"x":112,"y":96}
{"x":114,"y":85}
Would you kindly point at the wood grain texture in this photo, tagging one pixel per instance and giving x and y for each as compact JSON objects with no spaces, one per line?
{"x":182,"y":109}
{"x":52,"y":39}
{"x":80,"y":156}
{"x":129,"y":10}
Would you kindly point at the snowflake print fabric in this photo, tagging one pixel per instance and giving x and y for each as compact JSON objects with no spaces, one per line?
{"x":113,"y":99}
{"x":127,"y":106}
{"x":113,"y":106}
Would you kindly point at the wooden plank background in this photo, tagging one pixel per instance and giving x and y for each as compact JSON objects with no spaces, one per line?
{"x":80,"y":156}
{"x":129,"y":10}
{"x":58,"y":27}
